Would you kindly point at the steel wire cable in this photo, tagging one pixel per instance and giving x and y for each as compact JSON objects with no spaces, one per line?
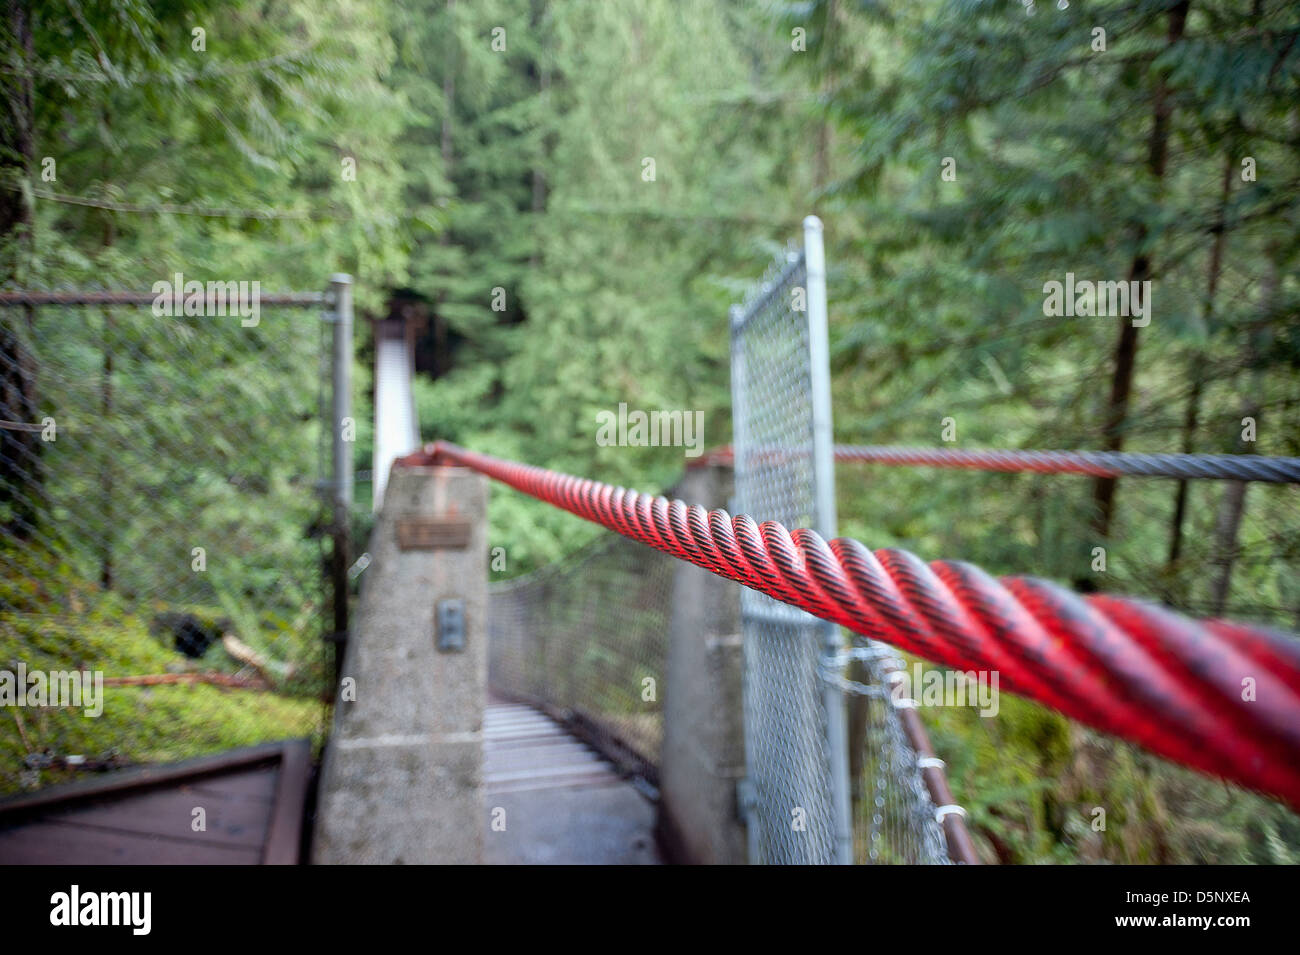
{"x":1232,"y":467}
{"x":1223,"y":467}
{"x":1220,"y":697}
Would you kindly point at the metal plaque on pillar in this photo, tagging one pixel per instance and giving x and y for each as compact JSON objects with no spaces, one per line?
{"x":432,"y":533}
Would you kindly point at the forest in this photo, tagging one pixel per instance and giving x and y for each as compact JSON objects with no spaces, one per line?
{"x":568,"y":196}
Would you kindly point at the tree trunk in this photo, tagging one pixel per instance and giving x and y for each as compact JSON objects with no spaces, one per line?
{"x":441,"y":361}
{"x":1226,"y":525}
{"x":1190,"y":420}
{"x":822,"y":162}
{"x":1139,"y":271}
{"x":106,"y":463}
{"x":19,"y":152}
{"x":107,"y":477}
{"x":21,"y":474}
{"x":540,"y":187}
{"x":1233,"y":506}
{"x":1197,"y":367}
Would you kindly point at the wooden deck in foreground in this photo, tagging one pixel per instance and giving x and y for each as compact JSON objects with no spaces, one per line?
{"x":252,"y":801}
{"x":559,"y":800}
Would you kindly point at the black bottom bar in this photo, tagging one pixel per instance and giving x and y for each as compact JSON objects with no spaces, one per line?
{"x":920,"y":908}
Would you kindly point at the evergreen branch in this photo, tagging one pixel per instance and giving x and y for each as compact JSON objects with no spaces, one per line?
{"x":214,"y":71}
{"x":190,"y":210}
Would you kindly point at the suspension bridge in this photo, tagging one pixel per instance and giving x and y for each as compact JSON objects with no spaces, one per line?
{"x":778,"y":741}
{"x":719,"y":676}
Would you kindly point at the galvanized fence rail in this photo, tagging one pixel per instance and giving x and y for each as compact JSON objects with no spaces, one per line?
{"x":802,"y":806}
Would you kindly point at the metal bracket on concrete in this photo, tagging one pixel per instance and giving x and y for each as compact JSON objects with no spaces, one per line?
{"x":451,"y":625}
{"x":746,"y":799}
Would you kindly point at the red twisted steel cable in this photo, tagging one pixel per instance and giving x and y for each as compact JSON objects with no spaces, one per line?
{"x":1173,"y":685}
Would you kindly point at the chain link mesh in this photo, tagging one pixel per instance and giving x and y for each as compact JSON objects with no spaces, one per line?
{"x":893,"y":815}
{"x":791,"y":815}
{"x":791,"y":818}
{"x":588,"y":636}
{"x":157,"y":500}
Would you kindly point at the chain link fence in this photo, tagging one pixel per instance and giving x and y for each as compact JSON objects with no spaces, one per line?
{"x":791,"y":743}
{"x":587,"y":638}
{"x":894,"y":817}
{"x":160,"y":525}
{"x":790,"y":811}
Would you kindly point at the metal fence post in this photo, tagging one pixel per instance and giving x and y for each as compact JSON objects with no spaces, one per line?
{"x":744,"y":790}
{"x":825,"y":524}
{"x":341,"y":483}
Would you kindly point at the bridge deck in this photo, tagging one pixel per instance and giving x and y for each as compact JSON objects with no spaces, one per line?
{"x":563,"y":803}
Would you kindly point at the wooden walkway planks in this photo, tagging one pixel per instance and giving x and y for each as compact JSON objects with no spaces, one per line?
{"x":560,"y":802}
{"x":252,"y":800}
{"x":526,"y":750}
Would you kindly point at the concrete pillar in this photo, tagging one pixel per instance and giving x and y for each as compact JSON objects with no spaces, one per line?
{"x":703,"y":753}
{"x":402,"y":780}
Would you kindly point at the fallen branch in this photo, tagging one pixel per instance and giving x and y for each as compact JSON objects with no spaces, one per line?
{"x":162,"y":679}
{"x":246,"y":655}
{"x":22,"y":730}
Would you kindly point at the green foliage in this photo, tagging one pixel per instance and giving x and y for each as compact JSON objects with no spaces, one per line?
{"x":137,"y":724}
{"x":615,"y":288}
{"x":936,"y":308}
{"x":521,"y":170}
{"x":224,"y":163}
{"x":261,"y":120}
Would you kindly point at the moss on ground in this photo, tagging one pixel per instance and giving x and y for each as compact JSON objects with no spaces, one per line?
{"x":150,"y":724}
